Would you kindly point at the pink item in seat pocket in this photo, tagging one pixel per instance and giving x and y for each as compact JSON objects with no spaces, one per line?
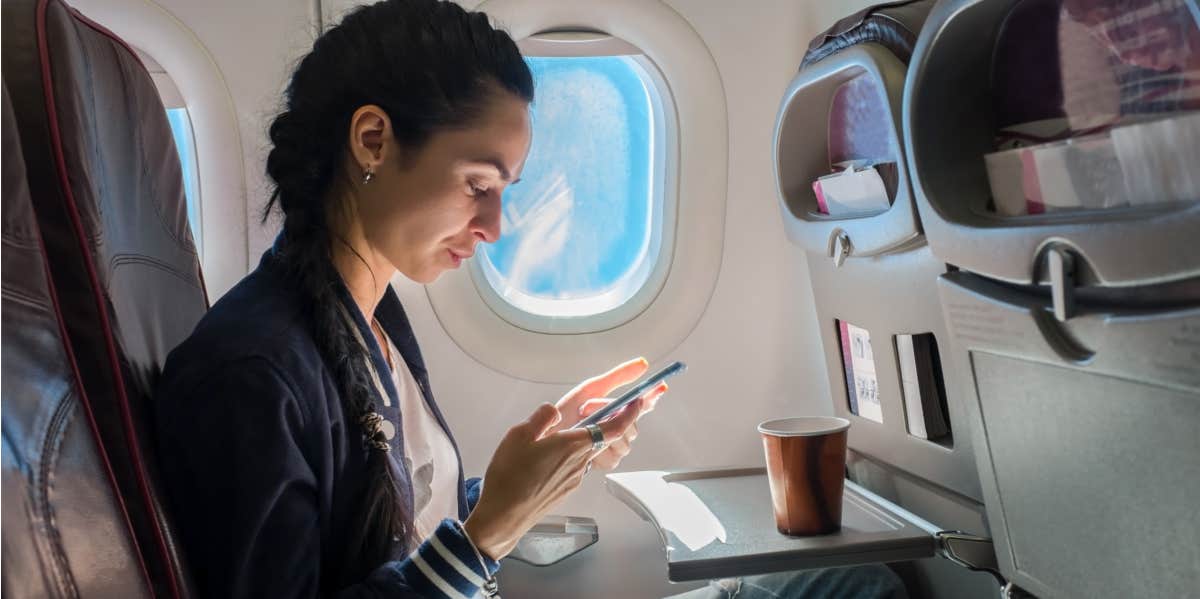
{"x":822,"y":207}
{"x":1034,"y":203}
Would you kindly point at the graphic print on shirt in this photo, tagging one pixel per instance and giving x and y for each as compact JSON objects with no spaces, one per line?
{"x":427,"y":452}
{"x":422,"y":479}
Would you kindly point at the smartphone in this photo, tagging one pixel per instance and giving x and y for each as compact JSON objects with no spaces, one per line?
{"x":627,"y":397}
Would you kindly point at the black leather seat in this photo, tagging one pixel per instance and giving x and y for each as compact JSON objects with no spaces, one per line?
{"x":106,"y":187}
{"x":66,"y":531}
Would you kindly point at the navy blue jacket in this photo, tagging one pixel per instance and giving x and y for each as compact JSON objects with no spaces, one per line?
{"x":265,"y":472}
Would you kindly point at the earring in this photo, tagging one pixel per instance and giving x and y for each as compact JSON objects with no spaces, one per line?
{"x":367,"y":175}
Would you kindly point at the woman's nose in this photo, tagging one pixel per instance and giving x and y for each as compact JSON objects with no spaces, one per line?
{"x":486,"y":225}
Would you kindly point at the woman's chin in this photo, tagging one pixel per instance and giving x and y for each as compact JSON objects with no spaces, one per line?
{"x":432,"y":274}
{"x":424,"y":276}
{"x":432,"y":270}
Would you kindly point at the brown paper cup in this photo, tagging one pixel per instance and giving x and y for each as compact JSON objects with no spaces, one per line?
{"x":806,"y":465}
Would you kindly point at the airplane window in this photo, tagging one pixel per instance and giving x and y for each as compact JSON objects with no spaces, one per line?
{"x":181,"y":128}
{"x":582,"y":230}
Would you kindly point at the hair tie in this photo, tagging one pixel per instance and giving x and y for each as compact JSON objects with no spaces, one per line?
{"x":373,"y":424}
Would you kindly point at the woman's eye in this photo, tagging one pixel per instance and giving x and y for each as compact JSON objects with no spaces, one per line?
{"x":475,"y":190}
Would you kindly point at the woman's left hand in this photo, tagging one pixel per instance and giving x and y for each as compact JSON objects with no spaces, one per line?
{"x":589,"y":396}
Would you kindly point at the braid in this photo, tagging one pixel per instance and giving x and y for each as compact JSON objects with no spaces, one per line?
{"x":306,"y":252}
{"x":431,"y":66}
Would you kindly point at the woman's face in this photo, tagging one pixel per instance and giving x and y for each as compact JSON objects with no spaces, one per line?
{"x":426,"y":211}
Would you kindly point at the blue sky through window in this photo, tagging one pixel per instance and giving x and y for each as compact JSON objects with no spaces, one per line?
{"x":580,"y":224}
{"x":181,"y":129}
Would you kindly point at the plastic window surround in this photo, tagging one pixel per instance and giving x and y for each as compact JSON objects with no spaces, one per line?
{"x":649,"y":274}
{"x":698,"y":171}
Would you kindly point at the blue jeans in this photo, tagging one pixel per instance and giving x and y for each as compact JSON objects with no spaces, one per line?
{"x":874,"y":581}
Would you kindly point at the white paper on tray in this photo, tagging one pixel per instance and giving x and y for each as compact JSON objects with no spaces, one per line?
{"x":853,"y":191}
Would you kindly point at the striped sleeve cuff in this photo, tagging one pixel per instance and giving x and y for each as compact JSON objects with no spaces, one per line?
{"x":448,"y":565}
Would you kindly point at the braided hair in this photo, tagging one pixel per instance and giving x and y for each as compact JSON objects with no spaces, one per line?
{"x":431,"y":66}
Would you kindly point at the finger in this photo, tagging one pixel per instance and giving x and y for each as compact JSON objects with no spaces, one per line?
{"x":580,"y":439}
{"x":542,"y":420}
{"x":650,"y":400}
{"x":577,"y":441}
{"x":622,"y":374}
{"x":631,"y":433}
{"x":611,"y":457}
{"x":615,"y":427}
{"x":590,"y":407}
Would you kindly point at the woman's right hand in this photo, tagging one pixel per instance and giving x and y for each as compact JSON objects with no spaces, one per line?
{"x":532,"y":470}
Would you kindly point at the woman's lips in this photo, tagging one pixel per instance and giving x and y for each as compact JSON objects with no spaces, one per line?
{"x":457,"y":257}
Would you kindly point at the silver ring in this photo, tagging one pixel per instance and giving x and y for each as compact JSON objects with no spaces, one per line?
{"x":597,"y":436}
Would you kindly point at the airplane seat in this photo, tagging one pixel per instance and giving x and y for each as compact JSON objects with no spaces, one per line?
{"x":893,"y":25}
{"x":106,"y":186}
{"x":846,"y":197}
{"x":66,"y":530}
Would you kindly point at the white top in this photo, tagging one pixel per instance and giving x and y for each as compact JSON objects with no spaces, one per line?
{"x":428,"y":454}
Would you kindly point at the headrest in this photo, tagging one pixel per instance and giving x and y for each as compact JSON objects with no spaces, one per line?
{"x":893,"y":25}
{"x":110,"y":154}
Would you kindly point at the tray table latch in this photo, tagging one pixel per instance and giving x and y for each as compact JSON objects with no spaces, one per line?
{"x":976,"y":553}
{"x":1061,"y":266}
{"x":840,"y":246}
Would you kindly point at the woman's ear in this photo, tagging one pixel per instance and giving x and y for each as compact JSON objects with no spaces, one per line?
{"x":369,"y":129}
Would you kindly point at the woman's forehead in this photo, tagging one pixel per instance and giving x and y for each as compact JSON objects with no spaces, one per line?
{"x":499,"y":139}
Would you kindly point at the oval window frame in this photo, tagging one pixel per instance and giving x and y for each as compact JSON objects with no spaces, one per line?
{"x":664,"y":160}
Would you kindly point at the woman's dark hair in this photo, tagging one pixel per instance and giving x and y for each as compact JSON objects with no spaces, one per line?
{"x":431,"y":66}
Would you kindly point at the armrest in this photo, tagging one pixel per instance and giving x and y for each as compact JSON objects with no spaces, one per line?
{"x":554,"y":539}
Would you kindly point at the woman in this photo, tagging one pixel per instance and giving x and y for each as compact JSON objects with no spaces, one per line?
{"x":300,"y":444}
